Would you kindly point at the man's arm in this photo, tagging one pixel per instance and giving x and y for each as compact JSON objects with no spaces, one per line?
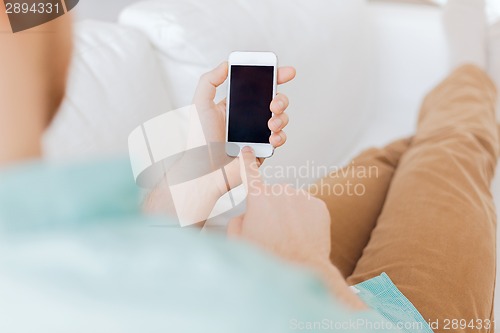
{"x":33,"y":66}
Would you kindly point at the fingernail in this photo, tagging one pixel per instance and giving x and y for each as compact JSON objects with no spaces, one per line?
{"x":277,"y":122}
{"x":279,"y":139}
{"x":281,"y":104}
{"x":247,"y":150}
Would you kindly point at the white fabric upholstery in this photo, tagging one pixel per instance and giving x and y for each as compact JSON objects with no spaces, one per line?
{"x":115,"y":84}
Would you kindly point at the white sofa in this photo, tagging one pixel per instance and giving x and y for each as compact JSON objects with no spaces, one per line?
{"x":363,"y":69}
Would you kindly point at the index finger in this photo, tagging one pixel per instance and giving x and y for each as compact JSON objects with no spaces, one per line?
{"x":207,"y":86}
{"x":286,"y":74}
{"x":250,"y":174}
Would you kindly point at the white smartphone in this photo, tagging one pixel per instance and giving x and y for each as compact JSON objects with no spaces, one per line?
{"x":251,"y":89}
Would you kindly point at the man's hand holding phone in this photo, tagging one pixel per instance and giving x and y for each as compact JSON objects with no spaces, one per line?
{"x":213,"y":121}
{"x":213,"y":115}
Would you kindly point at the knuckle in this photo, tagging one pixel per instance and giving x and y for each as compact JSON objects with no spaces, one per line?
{"x":320,"y":204}
{"x":284,"y":98}
{"x":284,"y":117}
{"x":205,"y":77}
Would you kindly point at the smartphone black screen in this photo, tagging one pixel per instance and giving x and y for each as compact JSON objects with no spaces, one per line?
{"x":251,"y":95}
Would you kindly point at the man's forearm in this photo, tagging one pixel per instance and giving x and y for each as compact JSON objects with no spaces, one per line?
{"x":338,"y":286}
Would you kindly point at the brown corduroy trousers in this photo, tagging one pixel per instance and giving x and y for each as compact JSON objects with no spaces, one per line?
{"x":423,"y":212}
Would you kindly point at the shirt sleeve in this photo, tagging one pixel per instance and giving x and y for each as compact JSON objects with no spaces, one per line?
{"x":111,"y":278}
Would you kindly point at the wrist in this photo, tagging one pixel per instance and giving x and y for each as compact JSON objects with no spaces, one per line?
{"x":338,"y":286}
{"x":231,"y":177}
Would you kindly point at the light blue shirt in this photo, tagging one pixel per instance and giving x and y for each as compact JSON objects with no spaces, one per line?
{"x":77,"y":255}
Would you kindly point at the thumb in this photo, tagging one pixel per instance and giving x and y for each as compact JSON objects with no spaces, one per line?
{"x":207,"y":86}
{"x":249,"y":170}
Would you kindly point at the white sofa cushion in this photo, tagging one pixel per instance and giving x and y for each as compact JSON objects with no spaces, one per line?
{"x":115,"y":84}
{"x":412,"y":57}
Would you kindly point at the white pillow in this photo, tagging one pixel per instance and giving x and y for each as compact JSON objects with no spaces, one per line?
{"x":115,"y":84}
{"x":326,"y":40}
{"x":412,"y":54}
